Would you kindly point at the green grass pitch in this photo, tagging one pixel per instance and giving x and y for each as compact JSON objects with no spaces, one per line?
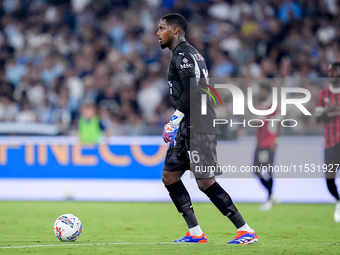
{"x":149,"y":228}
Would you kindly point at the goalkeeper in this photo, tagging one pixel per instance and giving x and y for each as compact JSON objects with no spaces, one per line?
{"x":192,"y":136}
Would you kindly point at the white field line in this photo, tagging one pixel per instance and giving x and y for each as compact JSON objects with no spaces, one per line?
{"x":122,"y":243}
{"x":79,"y":244}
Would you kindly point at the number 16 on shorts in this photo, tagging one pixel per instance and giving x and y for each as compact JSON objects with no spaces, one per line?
{"x":194,"y":157}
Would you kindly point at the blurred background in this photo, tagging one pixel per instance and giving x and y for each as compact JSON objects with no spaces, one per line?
{"x":64,"y":61}
{"x":57,"y":54}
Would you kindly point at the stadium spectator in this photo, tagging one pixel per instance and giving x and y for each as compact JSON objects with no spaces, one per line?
{"x":90,"y":127}
{"x":289,"y":10}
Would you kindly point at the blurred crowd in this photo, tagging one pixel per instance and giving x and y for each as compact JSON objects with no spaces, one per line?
{"x":55,"y":55}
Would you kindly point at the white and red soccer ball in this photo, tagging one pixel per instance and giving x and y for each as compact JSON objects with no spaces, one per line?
{"x":67,"y":227}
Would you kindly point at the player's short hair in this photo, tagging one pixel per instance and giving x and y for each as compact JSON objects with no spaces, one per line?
{"x":175,"y":19}
{"x":88,"y":103}
{"x":336,"y":65}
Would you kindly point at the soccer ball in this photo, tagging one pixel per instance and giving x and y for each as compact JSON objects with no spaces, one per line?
{"x":67,"y":227}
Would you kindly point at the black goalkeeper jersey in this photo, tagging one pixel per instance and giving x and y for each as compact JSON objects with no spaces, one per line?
{"x":187,"y":75}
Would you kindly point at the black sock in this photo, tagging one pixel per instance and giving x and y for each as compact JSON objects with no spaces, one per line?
{"x":220,"y":198}
{"x":181,"y":199}
{"x":264,"y":182}
{"x":268,"y":184}
{"x":332,"y":188}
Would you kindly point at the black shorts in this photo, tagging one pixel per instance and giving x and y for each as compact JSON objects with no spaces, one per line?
{"x":197,"y":154}
{"x":264,"y":157}
{"x":332,"y":157}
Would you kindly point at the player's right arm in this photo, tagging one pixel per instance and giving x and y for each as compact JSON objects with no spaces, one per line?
{"x":185,"y":67}
{"x":320,"y":111}
{"x":324,"y":109}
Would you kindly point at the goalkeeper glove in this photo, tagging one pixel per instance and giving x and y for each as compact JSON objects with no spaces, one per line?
{"x":170,"y":130}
